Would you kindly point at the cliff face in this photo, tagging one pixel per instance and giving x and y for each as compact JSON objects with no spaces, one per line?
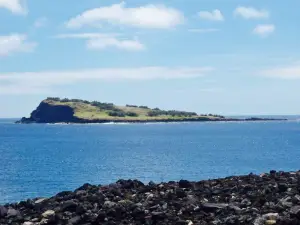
{"x":47,"y":113}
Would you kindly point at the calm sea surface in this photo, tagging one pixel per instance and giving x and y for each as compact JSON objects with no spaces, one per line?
{"x":41,"y":160}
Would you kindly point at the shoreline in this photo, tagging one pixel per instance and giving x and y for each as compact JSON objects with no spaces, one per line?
{"x":56,"y":110}
{"x":186,"y":120}
{"x":270,"y":198}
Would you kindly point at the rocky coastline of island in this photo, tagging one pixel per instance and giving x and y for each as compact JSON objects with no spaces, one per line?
{"x":266,"y":199}
{"x":184,"y":120}
{"x":76,"y":111}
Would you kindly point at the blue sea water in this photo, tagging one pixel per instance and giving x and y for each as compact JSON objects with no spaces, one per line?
{"x":41,"y":160}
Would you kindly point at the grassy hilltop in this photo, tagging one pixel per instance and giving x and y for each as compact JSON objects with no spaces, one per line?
{"x":108,"y":111}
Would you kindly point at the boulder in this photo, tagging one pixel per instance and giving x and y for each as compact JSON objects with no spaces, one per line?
{"x":295,"y":211}
{"x":69,"y":205}
{"x":3,"y":211}
{"x":109,"y":204}
{"x":12,"y":212}
{"x":48,"y":214}
{"x":185,"y":184}
{"x":28,"y":223}
{"x":40,"y":200}
{"x":75,"y":220}
{"x":213,"y":206}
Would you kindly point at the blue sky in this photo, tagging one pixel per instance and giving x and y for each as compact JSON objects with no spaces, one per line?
{"x":229,"y":57}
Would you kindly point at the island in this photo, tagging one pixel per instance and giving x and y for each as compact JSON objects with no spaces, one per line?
{"x":57,"y":110}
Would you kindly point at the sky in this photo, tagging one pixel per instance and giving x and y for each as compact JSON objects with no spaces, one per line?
{"x":229,"y":57}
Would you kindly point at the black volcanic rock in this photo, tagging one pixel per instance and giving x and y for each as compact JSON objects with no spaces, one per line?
{"x":46,"y":113}
{"x":184,"y":184}
{"x":260,"y":200}
{"x":3,"y":211}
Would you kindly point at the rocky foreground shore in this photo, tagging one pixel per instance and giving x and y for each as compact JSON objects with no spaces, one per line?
{"x":272,"y":198}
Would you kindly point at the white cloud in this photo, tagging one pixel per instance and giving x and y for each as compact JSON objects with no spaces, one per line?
{"x":264,"y":30}
{"x":208,"y":30}
{"x":199,"y":90}
{"x":21,"y":89}
{"x":215,"y":15}
{"x":15,"y":6}
{"x":39,"y":81}
{"x":148,"y":16}
{"x":86,"y":35}
{"x":289,"y":72}
{"x":251,"y":13}
{"x":15,"y":43}
{"x":40,"y":22}
{"x":100,"y":41}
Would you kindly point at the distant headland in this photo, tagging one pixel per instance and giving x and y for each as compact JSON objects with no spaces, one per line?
{"x":56,"y":110}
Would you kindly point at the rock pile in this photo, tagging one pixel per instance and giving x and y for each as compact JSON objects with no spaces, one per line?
{"x":272,"y":198}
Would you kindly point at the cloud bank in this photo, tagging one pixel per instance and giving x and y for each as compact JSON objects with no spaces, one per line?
{"x":100,"y":41}
{"x":215,"y":15}
{"x":264,"y":30}
{"x":251,"y":13}
{"x":148,"y":16}
{"x":15,"y":6}
{"x":15,"y":43}
{"x":35,"y":82}
{"x":288,"y":72}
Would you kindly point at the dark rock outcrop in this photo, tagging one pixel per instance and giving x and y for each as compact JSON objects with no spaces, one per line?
{"x":46,"y":113}
{"x":267,"y":199}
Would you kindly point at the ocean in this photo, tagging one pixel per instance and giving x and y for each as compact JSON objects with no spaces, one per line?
{"x":40,"y":160}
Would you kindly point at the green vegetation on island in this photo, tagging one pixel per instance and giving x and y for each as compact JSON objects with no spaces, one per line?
{"x":100,"y":110}
{"x":54,"y":110}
